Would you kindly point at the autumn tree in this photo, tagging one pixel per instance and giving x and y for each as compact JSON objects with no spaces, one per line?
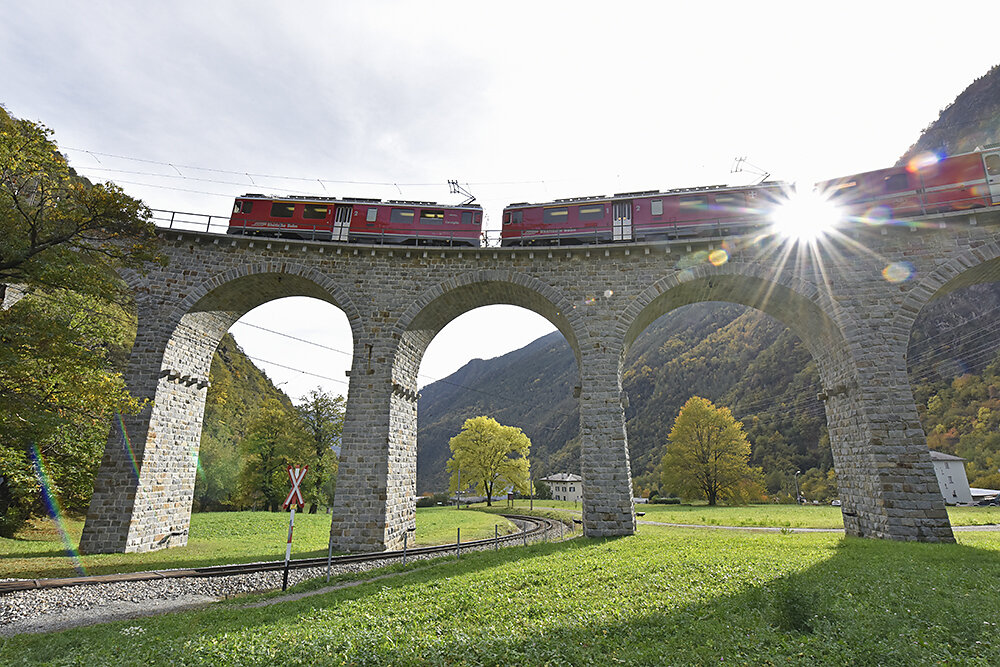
{"x":323,"y":416}
{"x":62,"y":345}
{"x":707,"y":455}
{"x":274,"y":441}
{"x":485,"y":453}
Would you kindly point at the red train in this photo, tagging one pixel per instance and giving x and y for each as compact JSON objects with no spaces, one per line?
{"x":358,"y":220}
{"x":960,"y":182}
{"x":640,"y":216}
{"x":966,"y":181}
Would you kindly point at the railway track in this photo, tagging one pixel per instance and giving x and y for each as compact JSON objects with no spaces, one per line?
{"x":533,"y":528}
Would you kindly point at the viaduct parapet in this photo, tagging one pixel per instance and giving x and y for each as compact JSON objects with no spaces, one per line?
{"x":852,"y":300}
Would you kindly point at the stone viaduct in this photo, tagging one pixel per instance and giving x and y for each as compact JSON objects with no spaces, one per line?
{"x":852,"y":299}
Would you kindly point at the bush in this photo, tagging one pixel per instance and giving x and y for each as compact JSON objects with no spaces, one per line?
{"x":665,"y":501}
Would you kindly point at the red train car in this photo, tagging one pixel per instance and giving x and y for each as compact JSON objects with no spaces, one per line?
{"x":357,"y":220}
{"x":955,"y":183}
{"x":640,"y":216}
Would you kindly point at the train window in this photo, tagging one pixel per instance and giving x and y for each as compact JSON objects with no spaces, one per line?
{"x":401,"y":216}
{"x":314,"y":211}
{"x":514,"y":217}
{"x":281,"y":209}
{"x":432,"y":217}
{"x":846,"y":188}
{"x":730,"y":200}
{"x":242,"y":206}
{"x":656,"y":207}
{"x":689,"y":203}
{"x":589,"y":213}
{"x":466,"y":217}
{"x":896,"y":183}
{"x":372,"y":214}
{"x":555,"y":215}
{"x":993,"y":164}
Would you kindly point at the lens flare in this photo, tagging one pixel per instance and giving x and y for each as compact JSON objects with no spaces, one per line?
{"x":898,"y":272}
{"x":922,"y":161}
{"x":805,"y":216}
{"x":127,"y":444}
{"x":51,"y":500}
{"x":718,"y":257}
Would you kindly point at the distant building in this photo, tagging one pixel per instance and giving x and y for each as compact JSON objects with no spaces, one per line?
{"x":565,"y":486}
{"x":951,"y":477}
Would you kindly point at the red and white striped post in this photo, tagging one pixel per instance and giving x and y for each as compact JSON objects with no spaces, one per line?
{"x":294,"y":498}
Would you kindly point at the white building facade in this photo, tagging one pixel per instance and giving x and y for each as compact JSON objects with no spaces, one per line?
{"x":951,"y":477}
{"x":565,"y":486}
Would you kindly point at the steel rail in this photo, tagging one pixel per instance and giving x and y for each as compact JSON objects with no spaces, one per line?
{"x":538,"y":525}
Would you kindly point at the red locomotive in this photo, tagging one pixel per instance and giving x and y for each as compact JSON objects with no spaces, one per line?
{"x":923,"y":186}
{"x":357,"y":220}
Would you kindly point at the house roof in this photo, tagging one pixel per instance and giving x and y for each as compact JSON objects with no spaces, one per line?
{"x":941,"y":456}
{"x":562,"y":477}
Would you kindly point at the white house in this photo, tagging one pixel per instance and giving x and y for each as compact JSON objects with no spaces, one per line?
{"x":565,"y":486}
{"x":950,"y":471}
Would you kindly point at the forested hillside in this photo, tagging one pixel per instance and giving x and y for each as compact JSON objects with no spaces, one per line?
{"x":741,"y":358}
{"x":237,"y":392}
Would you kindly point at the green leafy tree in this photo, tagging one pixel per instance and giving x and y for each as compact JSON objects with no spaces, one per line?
{"x":275,"y":440}
{"x":61,"y":346}
{"x":485,"y":453}
{"x":707,"y":455}
{"x":323,"y":416}
{"x":57,"y":230}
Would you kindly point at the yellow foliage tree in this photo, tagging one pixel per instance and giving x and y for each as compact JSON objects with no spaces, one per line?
{"x":488,"y":453}
{"x":707,"y":455}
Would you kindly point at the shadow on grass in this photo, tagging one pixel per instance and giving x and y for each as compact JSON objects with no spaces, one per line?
{"x":869,"y":602}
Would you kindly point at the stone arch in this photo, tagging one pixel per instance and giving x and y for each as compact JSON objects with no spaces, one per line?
{"x":211,"y":308}
{"x":802,"y":306}
{"x":439,"y":305}
{"x":376,"y":488}
{"x":149,"y":468}
{"x":972,"y":267}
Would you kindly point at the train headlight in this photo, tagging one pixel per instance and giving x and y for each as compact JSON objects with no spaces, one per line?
{"x":805,"y":216}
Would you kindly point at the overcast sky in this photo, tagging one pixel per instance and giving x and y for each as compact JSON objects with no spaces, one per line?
{"x":189,"y":104}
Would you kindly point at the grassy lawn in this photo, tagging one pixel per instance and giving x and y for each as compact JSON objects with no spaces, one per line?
{"x":217,"y":538}
{"x":781,"y":516}
{"x":664,"y":596}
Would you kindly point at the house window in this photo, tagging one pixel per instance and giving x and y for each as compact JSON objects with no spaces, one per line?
{"x":572,"y":489}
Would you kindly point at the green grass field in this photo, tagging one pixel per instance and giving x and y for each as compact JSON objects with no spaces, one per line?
{"x":664,"y":596}
{"x":217,"y":538}
{"x":779,"y":516}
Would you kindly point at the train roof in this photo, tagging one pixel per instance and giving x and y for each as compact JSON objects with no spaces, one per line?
{"x":649,"y":193}
{"x":353,"y":200}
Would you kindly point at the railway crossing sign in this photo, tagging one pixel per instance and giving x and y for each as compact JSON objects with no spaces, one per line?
{"x":294,"y":498}
{"x":295,"y":495}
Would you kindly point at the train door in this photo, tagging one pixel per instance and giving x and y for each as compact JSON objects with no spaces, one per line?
{"x":622,"y":225}
{"x":991,"y":159}
{"x":341,"y":222}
